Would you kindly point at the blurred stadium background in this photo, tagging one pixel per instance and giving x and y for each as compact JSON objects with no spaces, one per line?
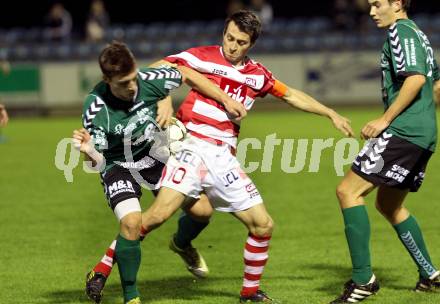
{"x":54,"y":231}
{"x":329,"y":49}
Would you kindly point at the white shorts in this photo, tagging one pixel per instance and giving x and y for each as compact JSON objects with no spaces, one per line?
{"x":200,"y":165}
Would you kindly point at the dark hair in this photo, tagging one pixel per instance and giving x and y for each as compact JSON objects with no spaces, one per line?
{"x":405,"y":4}
{"x":116,"y":59}
{"x":247,"y":22}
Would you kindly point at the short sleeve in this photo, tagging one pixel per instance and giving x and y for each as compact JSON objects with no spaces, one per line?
{"x":182,"y":58}
{"x":407,"y":53}
{"x":163,"y":80}
{"x":95,"y":120}
{"x":269,"y":82}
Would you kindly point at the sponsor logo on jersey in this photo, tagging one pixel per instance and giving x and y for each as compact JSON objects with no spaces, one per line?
{"x":219,"y":72}
{"x":146,"y":162}
{"x":251,"y":82}
{"x":410,"y":51}
{"x":99,"y":138}
{"x":235,"y":90}
{"x":429,"y":52}
{"x":119,"y":128}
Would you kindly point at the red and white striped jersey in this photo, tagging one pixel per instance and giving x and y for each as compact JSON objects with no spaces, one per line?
{"x":206,"y":118}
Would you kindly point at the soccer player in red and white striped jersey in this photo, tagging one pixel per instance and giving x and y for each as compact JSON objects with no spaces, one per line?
{"x":206,"y":161}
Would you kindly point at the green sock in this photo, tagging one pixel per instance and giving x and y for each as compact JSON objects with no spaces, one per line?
{"x":357,"y":232}
{"x":411,"y":236}
{"x":187,"y":230}
{"x":128,"y":256}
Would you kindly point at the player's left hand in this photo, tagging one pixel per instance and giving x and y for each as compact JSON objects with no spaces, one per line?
{"x":4,"y":118}
{"x":342,"y":124}
{"x":373,"y":128}
{"x":164,"y":112}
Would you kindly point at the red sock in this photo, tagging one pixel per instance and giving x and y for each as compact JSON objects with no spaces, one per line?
{"x":106,"y":264}
{"x":143,"y":233}
{"x":255,"y":258}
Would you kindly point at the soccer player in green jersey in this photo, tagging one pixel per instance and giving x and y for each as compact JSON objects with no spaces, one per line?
{"x":118,"y":114}
{"x":401,"y":141}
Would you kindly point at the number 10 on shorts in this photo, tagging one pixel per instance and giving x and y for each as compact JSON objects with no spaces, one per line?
{"x":177,"y":175}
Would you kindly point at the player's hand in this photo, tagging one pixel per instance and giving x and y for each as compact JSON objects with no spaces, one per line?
{"x":373,"y":128}
{"x":236,"y":109}
{"x":4,"y":118}
{"x":342,"y":124}
{"x":164,"y":111}
{"x":82,"y":140}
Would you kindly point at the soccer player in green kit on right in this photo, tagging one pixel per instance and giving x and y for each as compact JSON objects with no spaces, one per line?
{"x":394,"y":159}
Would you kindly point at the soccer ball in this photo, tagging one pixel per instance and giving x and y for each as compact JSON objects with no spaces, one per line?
{"x":176,"y":133}
{"x":176,"y":130}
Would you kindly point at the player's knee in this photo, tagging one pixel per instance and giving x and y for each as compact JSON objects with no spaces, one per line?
{"x":200,"y":212}
{"x":205,"y":212}
{"x":343,"y":193}
{"x":387,"y":212}
{"x":131,"y":226}
{"x":264,"y":228}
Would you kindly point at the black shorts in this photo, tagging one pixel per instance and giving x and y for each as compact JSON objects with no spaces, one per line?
{"x":392,"y":161}
{"x":120,"y":184}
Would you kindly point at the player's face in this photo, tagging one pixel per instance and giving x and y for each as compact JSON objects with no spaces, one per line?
{"x":383,"y":12}
{"x":124,"y":86}
{"x":236,"y":44}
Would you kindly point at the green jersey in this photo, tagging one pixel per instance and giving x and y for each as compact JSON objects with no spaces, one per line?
{"x":407,"y":52}
{"x":124,"y":131}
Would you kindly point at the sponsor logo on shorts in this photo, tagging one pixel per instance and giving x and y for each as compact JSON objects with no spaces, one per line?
{"x":186,"y":157}
{"x":397,"y":173}
{"x":418,"y":179}
{"x":252,"y":190}
{"x":119,"y":187}
{"x":230,"y":177}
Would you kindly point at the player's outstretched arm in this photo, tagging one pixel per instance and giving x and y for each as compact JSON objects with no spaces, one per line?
{"x":304,"y":102}
{"x":202,"y":84}
{"x":410,"y":88}
{"x":83,"y":142}
{"x":4,"y":118}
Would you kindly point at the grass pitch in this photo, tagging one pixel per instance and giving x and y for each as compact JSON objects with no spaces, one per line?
{"x":53,"y":232}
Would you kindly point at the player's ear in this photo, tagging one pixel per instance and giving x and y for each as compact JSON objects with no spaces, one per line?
{"x":397,"y":5}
